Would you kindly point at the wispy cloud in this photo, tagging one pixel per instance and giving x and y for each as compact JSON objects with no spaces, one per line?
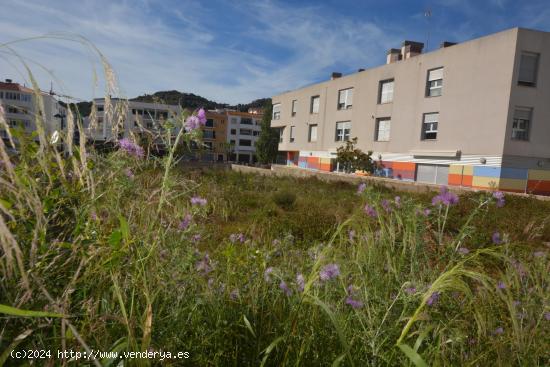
{"x":230,"y":51}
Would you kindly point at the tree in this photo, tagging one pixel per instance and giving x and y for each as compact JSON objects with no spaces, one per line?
{"x":267,"y":145}
{"x":352,"y":159}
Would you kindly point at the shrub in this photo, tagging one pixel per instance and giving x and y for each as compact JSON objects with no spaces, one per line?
{"x":284,"y":199}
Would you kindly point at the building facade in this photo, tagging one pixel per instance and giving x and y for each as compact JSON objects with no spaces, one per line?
{"x":214,"y":134}
{"x":474,"y":114}
{"x":243,"y":131}
{"x":21,"y":109}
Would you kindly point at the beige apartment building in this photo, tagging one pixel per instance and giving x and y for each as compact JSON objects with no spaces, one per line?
{"x":474,"y":114}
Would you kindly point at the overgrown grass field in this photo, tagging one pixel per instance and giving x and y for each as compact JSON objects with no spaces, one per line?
{"x":249,"y":270}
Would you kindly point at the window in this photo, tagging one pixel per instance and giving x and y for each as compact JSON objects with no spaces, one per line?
{"x":281,"y":134}
{"x":429,"y":126}
{"x":256,"y":133}
{"x":209,"y":123}
{"x":345,"y":99}
{"x":246,"y":121}
{"x":232,"y":142}
{"x":528,"y":69}
{"x":312,"y":135}
{"x":245,"y":143}
{"x":294,"y":107}
{"x":245,"y":132}
{"x":521,"y":123}
{"x":342,"y":130}
{"x":233,"y":131}
{"x":99,"y":108}
{"x":315,"y":104}
{"x":292,"y":128}
{"x":382,"y":132}
{"x":234,"y":120}
{"x":209,"y":134}
{"x":435,"y":83}
{"x":276,"y":111}
{"x":385,"y":94}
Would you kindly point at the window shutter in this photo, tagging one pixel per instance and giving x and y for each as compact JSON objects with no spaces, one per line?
{"x":435,"y":74}
{"x":522,"y":113}
{"x":528,"y":67}
{"x":431,"y":117}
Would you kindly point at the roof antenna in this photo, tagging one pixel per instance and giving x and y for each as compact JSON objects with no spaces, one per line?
{"x":51,"y":88}
{"x":428,"y":16}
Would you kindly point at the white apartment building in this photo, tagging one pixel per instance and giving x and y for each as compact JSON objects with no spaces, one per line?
{"x":243,"y":131}
{"x":21,"y":108}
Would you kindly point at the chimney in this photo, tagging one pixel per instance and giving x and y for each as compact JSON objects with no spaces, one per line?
{"x":9,"y":81}
{"x":394,"y":55}
{"x":447,"y":44}
{"x":410,"y":49}
{"x":335,"y":75}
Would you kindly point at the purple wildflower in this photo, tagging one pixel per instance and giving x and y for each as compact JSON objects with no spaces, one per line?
{"x":351,"y":235}
{"x":201,"y":115}
{"x":234,"y":294}
{"x":237,"y":237}
{"x":397,"y":201}
{"x":93,"y":215}
{"x":128,"y":172}
{"x":539,"y":254}
{"x":501,"y":285}
{"x":463,"y":251}
{"x":267,"y":274}
{"x":329,"y":272}
{"x":131,"y":148}
{"x":300,"y":282}
{"x":196,"y":200}
{"x":192,"y":123}
{"x":276,"y":242}
{"x":499,"y":195}
{"x":434,"y":297}
{"x":371,"y":212}
{"x":362,"y":187}
{"x":410,"y":290}
{"x":284,"y":287}
{"x":386,"y":205}
{"x":547,"y":316}
{"x":203,"y":266}
{"x":185,"y":222}
{"x":445,"y":197}
{"x":516,"y":303}
{"x":353,"y":303}
{"x":196,"y":238}
{"x":427,"y":212}
{"x":499,"y":331}
{"x":497,"y":240}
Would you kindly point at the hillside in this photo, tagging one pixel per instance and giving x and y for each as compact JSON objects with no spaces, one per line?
{"x":187,"y":100}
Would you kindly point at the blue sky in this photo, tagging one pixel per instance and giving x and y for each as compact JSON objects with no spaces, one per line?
{"x":235,"y":51}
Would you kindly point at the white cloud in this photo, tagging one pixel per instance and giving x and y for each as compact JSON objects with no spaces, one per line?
{"x":150,"y":53}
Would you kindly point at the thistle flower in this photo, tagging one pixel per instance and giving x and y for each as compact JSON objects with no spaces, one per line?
{"x":300,"y":282}
{"x":497,"y":240}
{"x":353,"y":303}
{"x":186,"y":221}
{"x":329,"y":272}
{"x":196,"y":238}
{"x":433,"y":299}
{"x":463,"y":251}
{"x":192,"y":123}
{"x":129,"y":173}
{"x":196,"y":200}
{"x":445,"y":197}
{"x":361,"y":188}
{"x":501,"y":285}
{"x":234,"y":294}
{"x":386,"y":205}
{"x":547,"y":316}
{"x":267,"y":274}
{"x":131,"y":148}
{"x":371,"y":212}
{"x":284,"y":287}
{"x":499,"y":195}
{"x":203,"y":266}
{"x":237,"y":237}
{"x":351,"y":235}
{"x":410,"y":290}
{"x":201,"y":115}
{"x":397,"y":201}
{"x":499,"y":331}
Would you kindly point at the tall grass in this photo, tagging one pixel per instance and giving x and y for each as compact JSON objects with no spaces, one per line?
{"x":109,"y":252}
